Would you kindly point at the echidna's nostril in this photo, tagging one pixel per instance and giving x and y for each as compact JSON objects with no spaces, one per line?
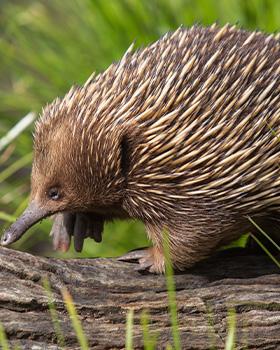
{"x":4,"y":238}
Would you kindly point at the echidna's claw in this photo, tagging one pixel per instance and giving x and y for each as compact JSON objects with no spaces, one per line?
{"x":133,"y":256}
{"x":145,"y":264}
{"x":60,"y":235}
{"x":79,"y":232}
{"x":95,"y":228}
{"x":148,"y":259}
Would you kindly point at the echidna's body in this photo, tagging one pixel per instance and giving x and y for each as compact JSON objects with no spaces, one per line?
{"x":181,"y":135}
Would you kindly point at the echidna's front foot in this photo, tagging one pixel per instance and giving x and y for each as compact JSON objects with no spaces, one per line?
{"x":153,"y":261}
{"x":78,"y":225}
{"x":150,"y":259}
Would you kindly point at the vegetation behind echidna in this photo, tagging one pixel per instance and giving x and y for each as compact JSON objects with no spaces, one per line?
{"x":46,"y":47}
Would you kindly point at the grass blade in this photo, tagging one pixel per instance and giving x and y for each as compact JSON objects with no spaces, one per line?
{"x":3,"y":338}
{"x":230,"y":341}
{"x":75,"y":320}
{"x":149,"y":340}
{"x":17,"y":130}
{"x":211,"y":328}
{"x":54,"y":316}
{"x":264,"y":233}
{"x":171,"y":290}
{"x":129,"y":330}
{"x":266,"y":250}
{"x":7,"y":217}
{"x":17,"y":165}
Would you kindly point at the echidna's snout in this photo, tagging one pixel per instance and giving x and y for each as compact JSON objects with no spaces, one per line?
{"x":32,"y":214}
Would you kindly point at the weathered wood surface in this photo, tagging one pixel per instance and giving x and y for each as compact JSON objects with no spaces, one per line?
{"x":104,"y":290}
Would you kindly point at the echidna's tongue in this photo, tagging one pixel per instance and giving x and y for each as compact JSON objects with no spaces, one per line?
{"x":32,"y":214}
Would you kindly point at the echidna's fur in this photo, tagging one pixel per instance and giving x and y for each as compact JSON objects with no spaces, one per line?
{"x":181,"y":135}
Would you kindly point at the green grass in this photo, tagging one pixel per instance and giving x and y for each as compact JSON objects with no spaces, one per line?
{"x":55,"y":321}
{"x":76,"y":323}
{"x":268,"y":238}
{"x":171,"y":291}
{"x":264,"y":233}
{"x":129,"y":330}
{"x":211,"y":329}
{"x":277,"y":263}
{"x":230,"y":341}
{"x":149,"y":338}
{"x":3,"y":339}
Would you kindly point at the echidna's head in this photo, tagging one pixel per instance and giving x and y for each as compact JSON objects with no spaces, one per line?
{"x":77,"y":166}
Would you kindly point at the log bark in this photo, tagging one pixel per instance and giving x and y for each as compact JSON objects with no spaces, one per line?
{"x":105,"y":289}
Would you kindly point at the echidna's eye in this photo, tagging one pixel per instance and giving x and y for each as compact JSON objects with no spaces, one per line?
{"x":53,"y":193}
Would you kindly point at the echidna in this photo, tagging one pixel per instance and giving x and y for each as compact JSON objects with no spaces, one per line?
{"x":181,"y":135}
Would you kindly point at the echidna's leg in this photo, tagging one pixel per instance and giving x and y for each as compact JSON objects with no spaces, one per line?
{"x":154,"y":256}
{"x":189,"y":245}
{"x":150,"y":259}
{"x":186,"y":245}
{"x":185,"y":249}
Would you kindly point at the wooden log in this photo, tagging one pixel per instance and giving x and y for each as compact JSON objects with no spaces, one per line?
{"x":105,"y":289}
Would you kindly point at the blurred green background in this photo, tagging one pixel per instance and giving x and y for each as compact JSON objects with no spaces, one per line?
{"x":47,"y":46}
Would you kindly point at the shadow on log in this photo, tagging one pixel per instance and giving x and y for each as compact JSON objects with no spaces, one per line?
{"x":105,"y":289}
